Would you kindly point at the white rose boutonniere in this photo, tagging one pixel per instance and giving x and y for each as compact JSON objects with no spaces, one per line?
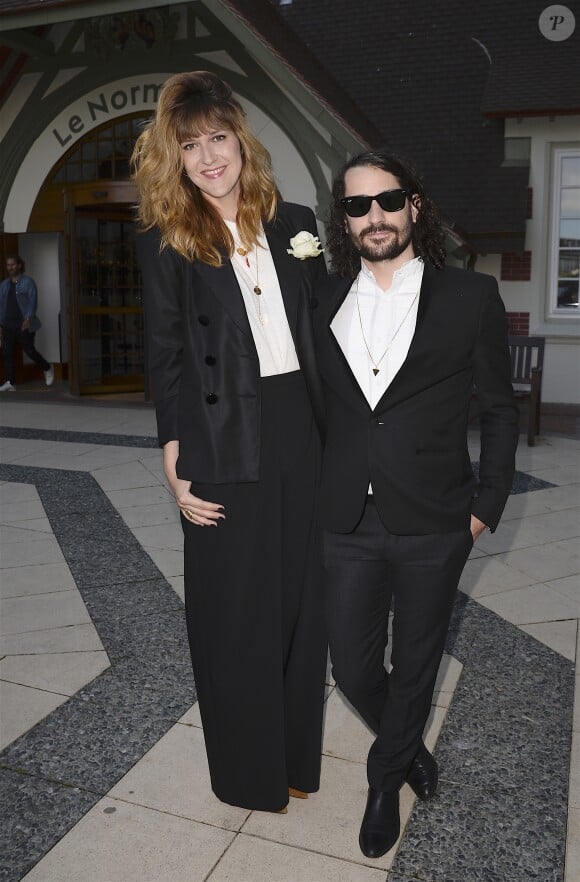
{"x":304,"y":245}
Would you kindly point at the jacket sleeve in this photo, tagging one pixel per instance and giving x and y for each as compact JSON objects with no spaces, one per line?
{"x":316,"y":273}
{"x":162,"y":273}
{"x":498,"y":412}
{"x":31,"y":298}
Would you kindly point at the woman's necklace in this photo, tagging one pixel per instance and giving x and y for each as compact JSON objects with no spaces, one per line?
{"x":374,"y":363}
{"x":243,"y":252}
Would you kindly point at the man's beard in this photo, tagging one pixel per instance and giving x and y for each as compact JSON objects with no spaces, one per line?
{"x":388,"y":250}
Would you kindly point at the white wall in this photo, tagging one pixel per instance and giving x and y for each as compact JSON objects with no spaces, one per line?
{"x":561,"y":382}
{"x":292,"y":175}
{"x":544,"y":133}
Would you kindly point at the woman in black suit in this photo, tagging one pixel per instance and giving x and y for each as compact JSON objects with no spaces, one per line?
{"x":231,"y":360}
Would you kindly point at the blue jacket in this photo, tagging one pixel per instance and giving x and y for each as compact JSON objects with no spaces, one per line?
{"x":27,"y":298}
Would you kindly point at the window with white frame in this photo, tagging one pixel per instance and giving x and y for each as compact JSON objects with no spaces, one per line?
{"x":565,"y":234}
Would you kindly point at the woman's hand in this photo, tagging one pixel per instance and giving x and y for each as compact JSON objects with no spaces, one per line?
{"x":196,"y":510}
{"x":477,"y":527}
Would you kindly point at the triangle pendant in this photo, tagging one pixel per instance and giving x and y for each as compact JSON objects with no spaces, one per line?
{"x":375,"y":371}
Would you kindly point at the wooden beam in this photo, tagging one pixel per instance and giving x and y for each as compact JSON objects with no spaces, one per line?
{"x":74,"y":11}
{"x":29,"y":43}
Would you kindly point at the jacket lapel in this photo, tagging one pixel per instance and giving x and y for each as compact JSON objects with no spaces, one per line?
{"x":398,"y":388}
{"x":224,"y":286}
{"x":278,"y":233}
{"x":333,"y":361}
{"x":410,"y":371}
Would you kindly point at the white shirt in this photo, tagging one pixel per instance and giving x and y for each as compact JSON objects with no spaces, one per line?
{"x":388,"y":321}
{"x":266,"y":313}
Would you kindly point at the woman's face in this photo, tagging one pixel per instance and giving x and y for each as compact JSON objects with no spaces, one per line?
{"x":213,"y":162}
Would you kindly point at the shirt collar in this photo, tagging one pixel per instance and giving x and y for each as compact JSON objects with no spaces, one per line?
{"x":409,"y":269}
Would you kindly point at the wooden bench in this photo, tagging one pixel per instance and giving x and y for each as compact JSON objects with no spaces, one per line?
{"x":527,"y":355}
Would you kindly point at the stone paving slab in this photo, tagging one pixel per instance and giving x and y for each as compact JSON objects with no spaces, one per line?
{"x":511,"y":712}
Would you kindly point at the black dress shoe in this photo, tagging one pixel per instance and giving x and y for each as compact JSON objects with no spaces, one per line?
{"x":381,"y":824}
{"x":422,"y":777}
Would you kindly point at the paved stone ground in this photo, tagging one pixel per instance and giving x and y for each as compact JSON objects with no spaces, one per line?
{"x":103,"y":765}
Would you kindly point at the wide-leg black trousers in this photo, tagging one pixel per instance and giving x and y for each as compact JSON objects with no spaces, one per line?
{"x":255,"y":613}
{"x":364,"y":572}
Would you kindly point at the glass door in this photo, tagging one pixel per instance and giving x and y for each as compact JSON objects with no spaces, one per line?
{"x":109,"y":325}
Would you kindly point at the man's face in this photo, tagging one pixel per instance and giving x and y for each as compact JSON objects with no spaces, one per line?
{"x":13,"y":268}
{"x":379,"y":235}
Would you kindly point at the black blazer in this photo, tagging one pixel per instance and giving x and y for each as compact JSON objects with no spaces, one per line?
{"x":203,"y":364}
{"x":413,"y":445}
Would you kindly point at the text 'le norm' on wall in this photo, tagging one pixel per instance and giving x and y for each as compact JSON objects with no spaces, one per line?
{"x":104,"y":105}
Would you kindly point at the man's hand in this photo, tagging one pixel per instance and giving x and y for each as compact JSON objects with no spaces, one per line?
{"x":477,"y":527}
{"x":25,"y":325}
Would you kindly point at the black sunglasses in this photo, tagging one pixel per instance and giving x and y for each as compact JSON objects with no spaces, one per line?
{"x":389,"y":200}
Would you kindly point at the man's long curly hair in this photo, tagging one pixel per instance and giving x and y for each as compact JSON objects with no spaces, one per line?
{"x":191,"y":104}
{"x":428,"y":232}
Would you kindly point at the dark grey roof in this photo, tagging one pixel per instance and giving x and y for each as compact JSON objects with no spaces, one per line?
{"x":285,"y":43}
{"x":530,"y":74}
{"x":432,"y":76}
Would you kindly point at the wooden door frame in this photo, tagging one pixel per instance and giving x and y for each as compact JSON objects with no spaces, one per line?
{"x":104,"y":194}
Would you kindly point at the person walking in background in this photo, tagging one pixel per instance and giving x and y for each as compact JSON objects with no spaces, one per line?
{"x":227,"y":273}
{"x":18,"y":321}
{"x":402,"y":340}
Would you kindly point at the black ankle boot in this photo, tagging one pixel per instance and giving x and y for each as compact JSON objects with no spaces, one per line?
{"x":422,"y":776}
{"x":381,"y":824}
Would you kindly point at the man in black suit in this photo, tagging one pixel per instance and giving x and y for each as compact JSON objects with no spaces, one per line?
{"x":402,"y":343}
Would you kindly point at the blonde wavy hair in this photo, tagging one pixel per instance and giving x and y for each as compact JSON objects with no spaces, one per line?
{"x":192,"y":104}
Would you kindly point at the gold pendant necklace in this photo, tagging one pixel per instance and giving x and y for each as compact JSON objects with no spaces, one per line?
{"x":375,"y":364}
{"x":243,"y":252}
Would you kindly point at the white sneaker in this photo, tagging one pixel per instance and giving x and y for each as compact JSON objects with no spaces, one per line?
{"x":49,"y":376}
{"x":7,"y":387}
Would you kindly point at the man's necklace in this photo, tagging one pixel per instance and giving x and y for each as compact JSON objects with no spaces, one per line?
{"x":243,"y":252}
{"x":374,"y":363}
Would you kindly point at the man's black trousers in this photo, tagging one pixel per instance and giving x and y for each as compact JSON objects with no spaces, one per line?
{"x":368,"y":571}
